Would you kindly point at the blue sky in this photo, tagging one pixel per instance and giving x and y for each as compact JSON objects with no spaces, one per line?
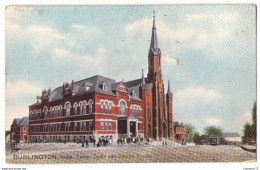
{"x":214,"y":84}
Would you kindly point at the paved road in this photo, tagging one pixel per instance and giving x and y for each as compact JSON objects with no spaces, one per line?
{"x":74,"y":153}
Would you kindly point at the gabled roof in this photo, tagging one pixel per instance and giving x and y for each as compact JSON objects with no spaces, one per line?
{"x":17,"y":121}
{"x":22,"y":121}
{"x":94,"y":86}
{"x":117,"y":84}
{"x":134,"y":85}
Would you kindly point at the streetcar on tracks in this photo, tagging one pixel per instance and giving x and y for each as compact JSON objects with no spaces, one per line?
{"x":214,"y":140}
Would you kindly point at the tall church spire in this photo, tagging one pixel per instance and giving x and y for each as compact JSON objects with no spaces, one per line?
{"x":154,"y":48}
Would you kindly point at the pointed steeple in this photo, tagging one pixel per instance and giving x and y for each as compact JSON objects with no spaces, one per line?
{"x":154,"y":48}
{"x":143,"y":80}
{"x":169,"y":87}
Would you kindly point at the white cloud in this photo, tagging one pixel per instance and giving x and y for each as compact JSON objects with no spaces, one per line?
{"x":78,"y":27}
{"x":243,"y":119}
{"x":137,"y":25}
{"x":168,"y":60}
{"x":213,"y":122}
{"x":39,"y":37}
{"x":61,"y":55}
{"x":14,"y":89}
{"x":42,"y":37}
{"x":211,"y":33}
{"x":196,"y":93}
{"x":89,"y":29}
{"x":165,"y":31}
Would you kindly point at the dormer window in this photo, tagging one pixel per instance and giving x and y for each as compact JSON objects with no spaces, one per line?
{"x":86,"y":86}
{"x":133,"y":93}
{"x":104,"y":86}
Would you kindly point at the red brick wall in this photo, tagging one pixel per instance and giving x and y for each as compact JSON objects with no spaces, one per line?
{"x":96,"y":97}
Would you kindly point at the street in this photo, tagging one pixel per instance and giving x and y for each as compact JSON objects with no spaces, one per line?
{"x":74,"y":153}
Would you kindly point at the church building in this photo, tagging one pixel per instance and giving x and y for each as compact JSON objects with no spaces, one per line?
{"x":100,"y":106}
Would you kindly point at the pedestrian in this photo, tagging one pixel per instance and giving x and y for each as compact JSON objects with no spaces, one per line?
{"x":94,"y":141}
{"x":86,"y":143}
{"x":82,"y":143}
{"x":118,"y":142}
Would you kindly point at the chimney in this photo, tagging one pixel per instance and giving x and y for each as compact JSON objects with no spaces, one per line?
{"x":63,"y":86}
{"x":49,"y":91}
{"x":72,"y":84}
{"x":38,"y":99}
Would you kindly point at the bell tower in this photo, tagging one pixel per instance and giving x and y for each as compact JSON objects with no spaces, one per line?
{"x":154,"y":76}
{"x":154,"y":57}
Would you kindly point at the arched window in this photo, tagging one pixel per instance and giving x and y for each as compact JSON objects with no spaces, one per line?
{"x":45,"y":112}
{"x":51,"y":112}
{"x":60,"y":111}
{"x":102,"y":107}
{"x":57,"y":113}
{"x":67,"y":109}
{"x":80,"y":108}
{"x":84,"y":107}
{"x":90,"y":106}
{"x":75,"y":108}
{"x":106,"y":106}
{"x":148,"y":113}
{"x":122,"y":108}
{"x":110,"y":108}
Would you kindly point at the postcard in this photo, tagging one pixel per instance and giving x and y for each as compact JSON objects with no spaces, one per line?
{"x":130,"y":84}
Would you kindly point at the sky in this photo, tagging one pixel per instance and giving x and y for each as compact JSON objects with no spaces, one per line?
{"x":214,"y":83}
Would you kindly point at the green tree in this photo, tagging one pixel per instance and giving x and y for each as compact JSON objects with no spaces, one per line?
{"x":247,"y":133}
{"x":196,"y":137}
{"x":250,"y":129}
{"x":214,"y":131}
{"x":253,"y":127}
{"x":189,"y":132}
